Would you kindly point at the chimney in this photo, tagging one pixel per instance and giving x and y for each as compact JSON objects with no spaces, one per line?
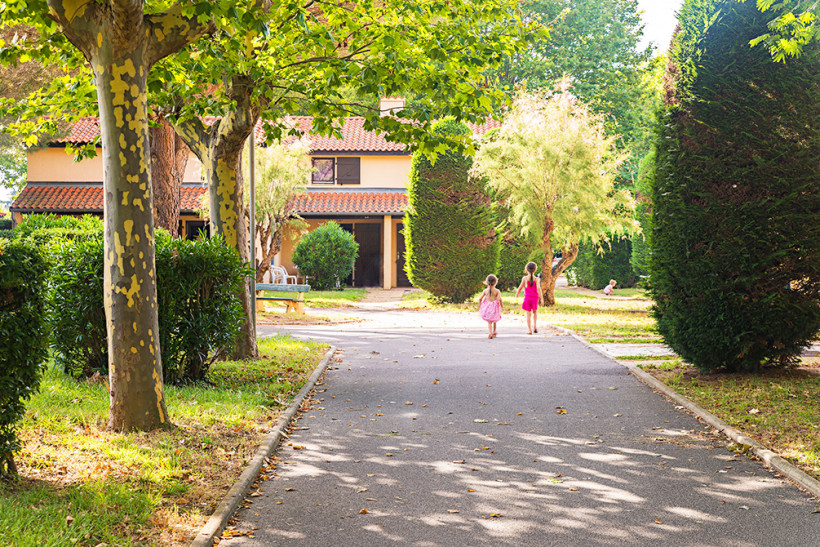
{"x":389,"y":105}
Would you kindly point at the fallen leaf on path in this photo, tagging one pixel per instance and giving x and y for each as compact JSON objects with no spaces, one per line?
{"x":364,"y":512}
{"x":452,"y":510}
{"x":480,"y":421}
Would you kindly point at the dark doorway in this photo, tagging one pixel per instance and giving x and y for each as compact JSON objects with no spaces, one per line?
{"x":401,"y":276}
{"x":194,"y":227}
{"x":368,"y":268}
{"x":349,"y":279}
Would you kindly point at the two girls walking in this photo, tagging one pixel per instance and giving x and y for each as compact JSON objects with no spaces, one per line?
{"x":491,"y":305}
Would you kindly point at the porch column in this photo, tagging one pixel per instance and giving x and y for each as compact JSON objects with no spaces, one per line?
{"x":388,"y":253}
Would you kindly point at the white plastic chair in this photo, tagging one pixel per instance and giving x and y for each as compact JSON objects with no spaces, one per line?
{"x":280,"y":275}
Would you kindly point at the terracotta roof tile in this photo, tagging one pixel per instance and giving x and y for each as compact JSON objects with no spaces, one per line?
{"x":89,"y":199}
{"x":354,"y":137}
{"x":83,"y":199}
{"x":361,"y":203}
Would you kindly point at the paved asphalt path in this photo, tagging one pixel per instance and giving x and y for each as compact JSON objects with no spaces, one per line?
{"x":427,"y":433}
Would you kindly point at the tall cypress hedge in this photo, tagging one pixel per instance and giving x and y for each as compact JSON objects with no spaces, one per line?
{"x":449,"y":228}
{"x":735,"y":263}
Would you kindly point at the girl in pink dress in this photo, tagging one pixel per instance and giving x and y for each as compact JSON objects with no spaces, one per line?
{"x":532,"y":296}
{"x":490,"y":305}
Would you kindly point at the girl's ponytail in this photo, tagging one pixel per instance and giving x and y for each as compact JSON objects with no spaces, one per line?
{"x":531,"y":267}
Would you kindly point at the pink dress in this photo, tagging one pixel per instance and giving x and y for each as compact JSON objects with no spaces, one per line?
{"x":490,"y":311}
{"x":531,"y":295}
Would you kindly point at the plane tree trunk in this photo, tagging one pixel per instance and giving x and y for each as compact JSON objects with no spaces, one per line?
{"x":219,"y":148}
{"x":121,"y":44}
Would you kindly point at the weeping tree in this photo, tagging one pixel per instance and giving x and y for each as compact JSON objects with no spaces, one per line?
{"x":554,"y":168}
{"x":735,"y":260}
{"x":282,"y":170}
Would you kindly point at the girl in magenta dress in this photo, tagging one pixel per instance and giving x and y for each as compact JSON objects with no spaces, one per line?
{"x":490,"y":305}
{"x":531,"y":286}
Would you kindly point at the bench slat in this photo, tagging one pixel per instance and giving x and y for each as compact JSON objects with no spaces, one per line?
{"x":282,"y":287}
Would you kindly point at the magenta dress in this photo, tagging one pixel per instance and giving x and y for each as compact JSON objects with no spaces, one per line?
{"x":490,"y":311}
{"x":531,"y":295}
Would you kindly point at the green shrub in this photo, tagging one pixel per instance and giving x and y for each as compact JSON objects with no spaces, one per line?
{"x":449,"y":228}
{"x":593,"y":269}
{"x":199,"y":310}
{"x":200,"y":314}
{"x":32,"y":223}
{"x":6,"y":234}
{"x":735,"y":261}
{"x":326,"y":255}
{"x":76,"y":308}
{"x":5,"y":224}
{"x":22,"y":338}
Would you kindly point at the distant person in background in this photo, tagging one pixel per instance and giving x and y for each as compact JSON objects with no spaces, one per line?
{"x":609,"y":288}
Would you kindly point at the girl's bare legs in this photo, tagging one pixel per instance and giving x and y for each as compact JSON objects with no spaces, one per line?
{"x":529,"y":322}
{"x":495,"y":331}
{"x":489,"y":330}
{"x":534,"y":320}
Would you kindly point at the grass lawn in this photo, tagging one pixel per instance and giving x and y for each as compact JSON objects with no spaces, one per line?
{"x":600,"y":318}
{"x":324,"y":299}
{"x":82,"y":485}
{"x":780,"y":408}
{"x":334,"y":299}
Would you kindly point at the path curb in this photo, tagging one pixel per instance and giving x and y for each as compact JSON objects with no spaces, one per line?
{"x":745,"y":444}
{"x":230,"y":503}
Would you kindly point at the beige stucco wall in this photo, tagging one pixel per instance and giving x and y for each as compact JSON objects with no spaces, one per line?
{"x":54,"y":165}
{"x":377,"y":172}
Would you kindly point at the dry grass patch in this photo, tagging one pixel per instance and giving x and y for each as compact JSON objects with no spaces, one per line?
{"x":780,"y":408}
{"x":82,"y":485}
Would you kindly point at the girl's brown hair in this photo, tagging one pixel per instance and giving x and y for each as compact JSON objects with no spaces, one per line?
{"x":531,"y":267}
{"x":491,"y":280}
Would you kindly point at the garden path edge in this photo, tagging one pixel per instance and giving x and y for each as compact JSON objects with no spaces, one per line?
{"x":746,"y":444}
{"x":230,"y":503}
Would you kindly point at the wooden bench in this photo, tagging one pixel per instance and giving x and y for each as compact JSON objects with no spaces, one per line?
{"x":294,"y":304}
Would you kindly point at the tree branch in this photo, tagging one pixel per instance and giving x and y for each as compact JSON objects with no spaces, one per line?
{"x":170,"y":31}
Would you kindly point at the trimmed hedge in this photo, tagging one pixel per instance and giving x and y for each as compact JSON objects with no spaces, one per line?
{"x":5,"y":224}
{"x":197,"y":285}
{"x":326,"y":255}
{"x":735,"y":261}
{"x":449,"y":227}
{"x":643,"y":213}
{"x":33,"y":223}
{"x":23,"y":346}
{"x":511,"y":261}
{"x":594,"y":270}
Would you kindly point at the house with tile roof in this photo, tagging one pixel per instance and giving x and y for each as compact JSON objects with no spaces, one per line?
{"x":359,"y":181}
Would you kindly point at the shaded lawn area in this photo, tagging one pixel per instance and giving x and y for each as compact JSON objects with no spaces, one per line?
{"x":325,"y":299}
{"x":599,"y":319}
{"x":780,"y":408}
{"x":82,"y":485}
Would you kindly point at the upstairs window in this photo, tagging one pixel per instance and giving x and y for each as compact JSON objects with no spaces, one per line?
{"x":324,"y":171}
{"x":336,"y":171}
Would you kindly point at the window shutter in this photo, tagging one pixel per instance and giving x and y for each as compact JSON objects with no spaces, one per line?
{"x":348,"y":170}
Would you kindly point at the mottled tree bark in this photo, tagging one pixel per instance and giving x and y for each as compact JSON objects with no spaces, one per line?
{"x":219,"y":148}
{"x":121,"y":43}
{"x":169,"y":158}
